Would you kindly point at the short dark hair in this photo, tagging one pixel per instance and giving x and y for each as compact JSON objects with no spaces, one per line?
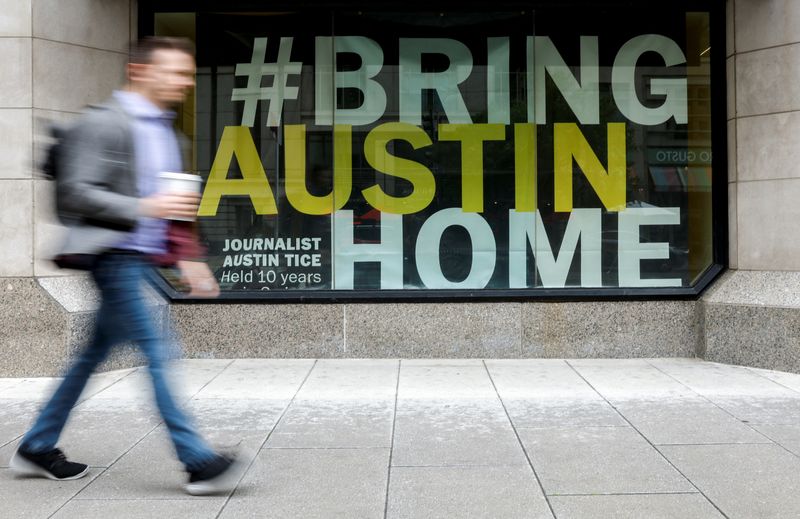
{"x":142,"y":51}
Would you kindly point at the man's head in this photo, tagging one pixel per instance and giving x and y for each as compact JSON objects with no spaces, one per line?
{"x":162,"y":69}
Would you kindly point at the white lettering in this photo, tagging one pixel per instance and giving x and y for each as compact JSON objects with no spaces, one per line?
{"x":413,"y":81}
{"x":389,"y":253}
{"x":484,"y":249}
{"x":583,"y":223}
{"x":631,"y":251}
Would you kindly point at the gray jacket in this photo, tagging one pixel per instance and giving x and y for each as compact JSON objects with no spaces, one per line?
{"x":97,"y":196}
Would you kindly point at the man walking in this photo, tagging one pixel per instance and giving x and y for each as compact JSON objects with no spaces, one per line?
{"x":119,"y":220}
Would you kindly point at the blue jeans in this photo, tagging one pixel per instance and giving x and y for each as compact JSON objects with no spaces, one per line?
{"x":122,"y":316}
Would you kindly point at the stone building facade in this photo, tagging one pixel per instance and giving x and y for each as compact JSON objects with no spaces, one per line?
{"x":61,"y":56}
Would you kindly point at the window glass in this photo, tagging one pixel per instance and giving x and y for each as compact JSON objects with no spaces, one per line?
{"x":364,"y":151}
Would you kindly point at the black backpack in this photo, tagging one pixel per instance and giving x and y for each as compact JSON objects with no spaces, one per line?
{"x":50,"y":162}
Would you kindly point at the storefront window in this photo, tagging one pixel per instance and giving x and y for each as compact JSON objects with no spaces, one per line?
{"x":506,"y":152}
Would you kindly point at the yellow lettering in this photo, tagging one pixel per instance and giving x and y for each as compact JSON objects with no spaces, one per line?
{"x":237,"y":140}
{"x":421,"y":178}
{"x":296,"y":188}
{"x":610,"y":186}
{"x":472,"y":137}
{"x":525,"y":167}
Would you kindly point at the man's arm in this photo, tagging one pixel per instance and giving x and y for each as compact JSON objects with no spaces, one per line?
{"x":185,"y":251}
{"x":199,"y":277}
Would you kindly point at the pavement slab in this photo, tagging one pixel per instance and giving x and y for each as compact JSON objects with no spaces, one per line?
{"x":321,"y":424}
{"x":32,"y":389}
{"x":562,"y":412}
{"x":16,"y":415}
{"x":184,"y":380}
{"x":427,"y":438}
{"x":465,"y":492}
{"x":313,"y":483}
{"x":718,"y":380}
{"x":148,"y":471}
{"x":788,"y":380}
{"x":140,"y":508}
{"x":227,"y":414}
{"x":351,"y":379}
{"x":24,"y":498}
{"x":599,"y":460}
{"x":762,"y":410}
{"x":549,"y":393}
{"x":687,"y":421}
{"x":99,"y":433}
{"x":445,"y":379}
{"x":544,"y":379}
{"x":787,"y":436}
{"x":635,"y":506}
{"x":454,"y":433}
{"x":636,"y":379}
{"x":258,"y":379}
{"x":8,"y":383}
{"x":744,"y":481}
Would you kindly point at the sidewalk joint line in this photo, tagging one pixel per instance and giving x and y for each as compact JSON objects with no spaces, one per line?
{"x":215,"y":377}
{"x":463,"y":466}
{"x":628,"y":494}
{"x":19,"y":437}
{"x":99,"y":475}
{"x":645,"y":438}
{"x":391,"y":443}
{"x":140,"y":440}
{"x":325,"y":448}
{"x":760,"y":375}
{"x":519,"y":440}
{"x":768,"y":442}
{"x":170,"y":499}
{"x":574,"y":426}
{"x":749,"y":425}
{"x":264,"y":443}
{"x":89,"y":482}
{"x":131,"y":372}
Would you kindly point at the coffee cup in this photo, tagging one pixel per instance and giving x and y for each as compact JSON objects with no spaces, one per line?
{"x":174,"y":182}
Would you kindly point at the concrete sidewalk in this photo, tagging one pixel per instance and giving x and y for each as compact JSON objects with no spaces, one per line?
{"x":656,"y":438}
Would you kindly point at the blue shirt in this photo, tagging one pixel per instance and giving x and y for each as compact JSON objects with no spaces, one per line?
{"x":156,"y":150}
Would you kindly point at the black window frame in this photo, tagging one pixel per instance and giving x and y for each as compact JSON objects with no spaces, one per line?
{"x":719,"y":186}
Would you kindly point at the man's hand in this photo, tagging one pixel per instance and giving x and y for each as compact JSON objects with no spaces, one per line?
{"x":170,"y":205}
{"x":198,"y":276}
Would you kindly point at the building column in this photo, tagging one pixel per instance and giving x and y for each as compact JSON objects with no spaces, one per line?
{"x":753,"y":313}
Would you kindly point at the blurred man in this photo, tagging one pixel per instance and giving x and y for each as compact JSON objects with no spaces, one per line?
{"x":117,"y":218}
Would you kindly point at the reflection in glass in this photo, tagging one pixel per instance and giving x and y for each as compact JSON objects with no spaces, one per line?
{"x":452,"y":150}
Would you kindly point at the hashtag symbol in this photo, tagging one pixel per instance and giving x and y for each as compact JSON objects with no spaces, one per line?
{"x":255,"y":71}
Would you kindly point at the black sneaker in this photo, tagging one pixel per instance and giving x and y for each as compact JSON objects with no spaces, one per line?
{"x":219,"y":475}
{"x":51,"y":464}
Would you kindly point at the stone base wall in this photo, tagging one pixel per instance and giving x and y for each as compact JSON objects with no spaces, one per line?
{"x":441,"y":330}
{"x":752,"y":318}
{"x":46,"y":321}
{"x":747,"y":318}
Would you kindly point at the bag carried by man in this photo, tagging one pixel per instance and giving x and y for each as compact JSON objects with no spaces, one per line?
{"x":53,"y":167}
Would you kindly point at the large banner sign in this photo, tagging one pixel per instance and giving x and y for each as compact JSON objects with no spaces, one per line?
{"x":453,"y":158}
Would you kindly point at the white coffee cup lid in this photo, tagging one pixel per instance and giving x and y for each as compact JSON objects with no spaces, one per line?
{"x":179,"y":176}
